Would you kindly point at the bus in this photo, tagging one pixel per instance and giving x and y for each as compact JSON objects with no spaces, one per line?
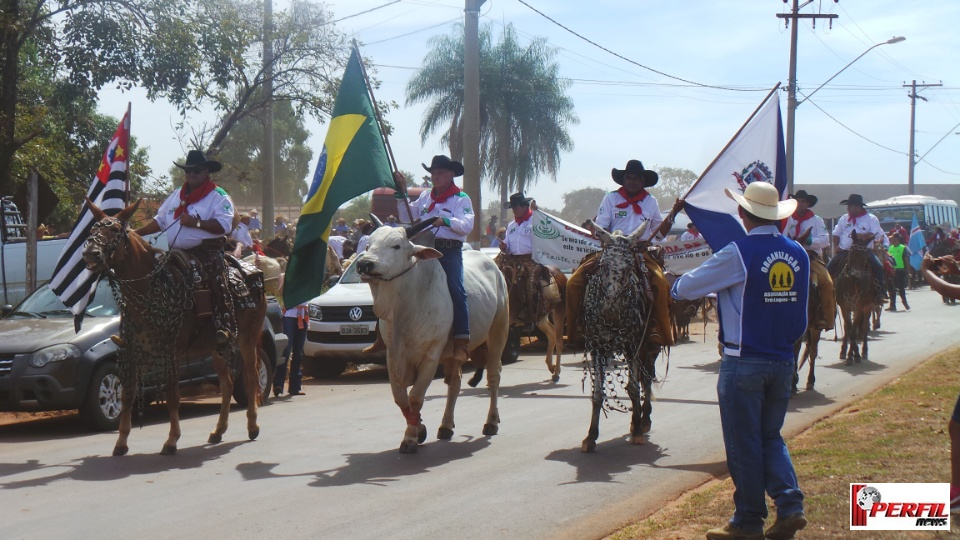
{"x":900,"y":210}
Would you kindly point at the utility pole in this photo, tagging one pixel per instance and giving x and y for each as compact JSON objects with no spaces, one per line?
{"x":266,"y":230}
{"x":471,"y":112}
{"x":794,"y":17}
{"x":913,"y":122}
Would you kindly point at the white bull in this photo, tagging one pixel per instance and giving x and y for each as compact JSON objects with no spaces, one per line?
{"x":411,"y":299}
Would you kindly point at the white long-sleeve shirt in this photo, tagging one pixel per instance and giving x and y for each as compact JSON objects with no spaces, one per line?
{"x":817,"y":241}
{"x":626,"y":220}
{"x":867,"y":223}
{"x":215,"y":205}
{"x":456,"y":211}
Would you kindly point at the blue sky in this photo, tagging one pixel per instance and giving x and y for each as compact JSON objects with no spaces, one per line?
{"x":859,"y":133}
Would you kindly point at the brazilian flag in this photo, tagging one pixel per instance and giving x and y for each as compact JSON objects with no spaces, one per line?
{"x":353,"y":161}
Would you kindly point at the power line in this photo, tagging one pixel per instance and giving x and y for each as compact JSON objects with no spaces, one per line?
{"x":844,"y":126}
{"x":620,"y":56}
{"x":363,"y":12}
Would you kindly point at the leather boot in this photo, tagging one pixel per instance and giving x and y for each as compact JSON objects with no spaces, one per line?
{"x":117,"y":340}
{"x":460,"y":349}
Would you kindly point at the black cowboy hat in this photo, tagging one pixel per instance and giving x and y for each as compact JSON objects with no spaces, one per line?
{"x":650,"y":178}
{"x":802,"y":194}
{"x":195,"y":158}
{"x":517,"y":199}
{"x":443,"y":162}
{"x":854,"y":199}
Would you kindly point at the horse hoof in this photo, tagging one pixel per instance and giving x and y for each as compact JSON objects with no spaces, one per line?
{"x":810,"y":386}
{"x":421,"y":433}
{"x":555,"y":378}
{"x":408,"y":447}
{"x":214,"y":438}
{"x":444,"y":433}
{"x":849,"y":361}
{"x":857,"y":360}
{"x":490,"y":429}
{"x":168,"y":450}
{"x":120,"y":450}
{"x":253,"y":434}
{"x":588,"y":446}
{"x":645,"y":426}
{"x":638,"y":439}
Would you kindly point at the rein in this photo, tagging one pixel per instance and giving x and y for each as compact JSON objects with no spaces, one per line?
{"x":409,"y":268}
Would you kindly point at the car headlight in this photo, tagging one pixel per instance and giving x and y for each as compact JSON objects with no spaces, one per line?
{"x":55,"y":353}
{"x":315,"y":312}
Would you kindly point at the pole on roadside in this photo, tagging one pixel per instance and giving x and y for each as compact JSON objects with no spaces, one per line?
{"x":471,"y":111}
{"x":913,"y":130}
{"x":33,"y":204}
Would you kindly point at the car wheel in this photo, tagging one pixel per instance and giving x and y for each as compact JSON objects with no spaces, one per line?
{"x":324,"y":369}
{"x":511,"y":351}
{"x":101,"y":406}
{"x":264,"y":378}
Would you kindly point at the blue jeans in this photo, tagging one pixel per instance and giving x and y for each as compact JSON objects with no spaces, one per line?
{"x":296,"y":338}
{"x":452,"y":263}
{"x":753,"y":395}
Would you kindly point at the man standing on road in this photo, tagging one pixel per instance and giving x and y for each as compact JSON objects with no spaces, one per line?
{"x":761,"y":283}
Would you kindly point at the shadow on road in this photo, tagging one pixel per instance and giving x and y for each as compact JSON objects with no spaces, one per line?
{"x":376,"y":469}
{"x":106,"y":467}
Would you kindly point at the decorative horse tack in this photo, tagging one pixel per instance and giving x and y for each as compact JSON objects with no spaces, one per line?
{"x":156,"y":302}
{"x":618,"y":308}
{"x":857,"y":290}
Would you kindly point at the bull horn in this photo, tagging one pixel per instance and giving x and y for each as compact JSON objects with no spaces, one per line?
{"x":418,"y":228}
{"x":375,"y":220}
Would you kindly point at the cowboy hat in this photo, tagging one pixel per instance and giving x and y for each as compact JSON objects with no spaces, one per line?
{"x":517,"y":199}
{"x":854,"y":199}
{"x":195,"y":158}
{"x":650,"y":178}
{"x":443,"y":162}
{"x":803,"y":195}
{"x":763,"y":200}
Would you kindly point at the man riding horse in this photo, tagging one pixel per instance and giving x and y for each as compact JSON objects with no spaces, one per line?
{"x":809,"y":231}
{"x":857,"y":221}
{"x":196,"y":217}
{"x":625,"y":210}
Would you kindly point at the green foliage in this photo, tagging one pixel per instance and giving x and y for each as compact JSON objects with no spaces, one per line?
{"x":243,"y":171}
{"x":357,"y":208}
{"x":524,"y":109}
{"x":581,"y":204}
{"x":674,"y":183}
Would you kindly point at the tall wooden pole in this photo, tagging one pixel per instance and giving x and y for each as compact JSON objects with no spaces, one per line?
{"x":471,"y":113}
{"x":266,"y":231}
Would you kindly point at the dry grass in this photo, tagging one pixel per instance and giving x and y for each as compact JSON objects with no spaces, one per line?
{"x":896,"y":434}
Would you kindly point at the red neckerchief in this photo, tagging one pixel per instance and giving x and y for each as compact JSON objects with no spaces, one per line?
{"x":800,"y":218}
{"x":696,"y":234}
{"x":853,"y":218}
{"x":441,"y":198}
{"x":526,"y":216}
{"x":196,"y":195}
{"x":632,"y":201}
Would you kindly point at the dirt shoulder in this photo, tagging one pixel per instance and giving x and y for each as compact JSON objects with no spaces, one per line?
{"x":896,"y":434}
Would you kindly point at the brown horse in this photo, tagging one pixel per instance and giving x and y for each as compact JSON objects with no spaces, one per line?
{"x":857,"y":291}
{"x":535,"y":300}
{"x":810,"y":340}
{"x":156,"y":300}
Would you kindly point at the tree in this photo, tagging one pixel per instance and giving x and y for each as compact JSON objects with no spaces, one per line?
{"x":524,"y":110}
{"x":581,"y":204}
{"x":243,"y":160}
{"x":82,"y":45}
{"x":674,"y":183}
{"x":357,"y":208}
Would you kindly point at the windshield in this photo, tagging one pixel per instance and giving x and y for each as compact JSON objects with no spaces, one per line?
{"x":350,"y":275}
{"x":45,"y":303}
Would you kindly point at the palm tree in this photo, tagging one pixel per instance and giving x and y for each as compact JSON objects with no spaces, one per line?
{"x":524,"y":110}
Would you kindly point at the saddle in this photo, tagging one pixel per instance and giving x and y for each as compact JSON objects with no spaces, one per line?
{"x":241,"y":279}
{"x":533,"y":287}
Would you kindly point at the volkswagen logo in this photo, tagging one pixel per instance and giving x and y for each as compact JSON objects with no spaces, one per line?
{"x":355,"y":314}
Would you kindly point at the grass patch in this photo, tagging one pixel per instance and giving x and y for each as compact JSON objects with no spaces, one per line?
{"x":896,"y":434}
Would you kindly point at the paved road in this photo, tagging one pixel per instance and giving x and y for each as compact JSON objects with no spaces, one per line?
{"x":326,"y":464}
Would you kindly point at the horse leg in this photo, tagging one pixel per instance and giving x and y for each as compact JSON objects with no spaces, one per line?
{"x":226,"y":391}
{"x":796,"y":364}
{"x":636,"y":417}
{"x":589,"y":444}
{"x":492,"y":424}
{"x":126,"y":419}
{"x":249,"y":345}
{"x":847,"y":328}
{"x":549,"y":330}
{"x":810,"y":352}
{"x":173,"y":409}
{"x":648,"y":372}
{"x":866,"y":336}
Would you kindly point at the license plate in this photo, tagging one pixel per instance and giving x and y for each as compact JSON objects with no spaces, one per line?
{"x":354,"y":329}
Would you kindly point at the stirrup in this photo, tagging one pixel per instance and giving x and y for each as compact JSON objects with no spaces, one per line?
{"x":222,"y":337}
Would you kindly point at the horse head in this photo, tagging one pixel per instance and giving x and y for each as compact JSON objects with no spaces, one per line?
{"x":617,"y":267}
{"x":106,"y":247}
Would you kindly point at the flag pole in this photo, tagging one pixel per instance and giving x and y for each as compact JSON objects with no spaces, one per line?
{"x":126,"y":172}
{"x":712,"y":163}
{"x":383,"y":133}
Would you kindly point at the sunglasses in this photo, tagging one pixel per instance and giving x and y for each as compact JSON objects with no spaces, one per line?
{"x":194,"y":170}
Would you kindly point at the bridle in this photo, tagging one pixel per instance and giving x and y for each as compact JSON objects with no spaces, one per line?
{"x":108,"y":247}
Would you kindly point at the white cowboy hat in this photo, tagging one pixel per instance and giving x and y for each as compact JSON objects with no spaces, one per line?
{"x":763,"y":200}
